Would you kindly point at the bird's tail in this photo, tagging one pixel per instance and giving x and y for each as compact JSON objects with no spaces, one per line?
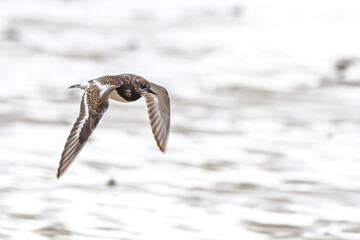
{"x":75,"y":86}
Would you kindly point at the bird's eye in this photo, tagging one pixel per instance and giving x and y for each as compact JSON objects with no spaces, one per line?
{"x":142,"y":85}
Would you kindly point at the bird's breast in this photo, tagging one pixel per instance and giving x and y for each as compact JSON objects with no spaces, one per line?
{"x":124,"y":94}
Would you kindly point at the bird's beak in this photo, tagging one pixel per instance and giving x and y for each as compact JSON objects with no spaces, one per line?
{"x":151,"y":91}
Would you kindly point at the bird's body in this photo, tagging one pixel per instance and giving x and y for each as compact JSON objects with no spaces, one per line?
{"x":95,"y":102}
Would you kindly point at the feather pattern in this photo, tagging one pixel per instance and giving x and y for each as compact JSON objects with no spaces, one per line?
{"x":159,"y":114}
{"x":94,"y":103}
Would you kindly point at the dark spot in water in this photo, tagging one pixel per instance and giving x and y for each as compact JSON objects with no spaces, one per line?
{"x":12,"y":34}
{"x":344,"y":64}
{"x":275,"y":230}
{"x":111,"y":183}
{"x":246,"y":186}
{"x":302,"y":182}
{"x":53,"y":230}
{"x":216,"y":165}
{"x":25,"y":216}
{"x":228,"y":188}
{"x":196,"y":201}
{"x":2,"y":236}
{"x":352,"y":229}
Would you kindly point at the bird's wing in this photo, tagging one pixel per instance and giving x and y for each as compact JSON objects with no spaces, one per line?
{"x":159,"y":114}
{"x":94,"y":103}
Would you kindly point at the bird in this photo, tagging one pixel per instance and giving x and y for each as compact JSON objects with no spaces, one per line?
{"x":95,"y":102}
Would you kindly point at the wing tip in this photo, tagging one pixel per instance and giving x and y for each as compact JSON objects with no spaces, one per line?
{"x":59,"y":173}
{"x":162,"y":148}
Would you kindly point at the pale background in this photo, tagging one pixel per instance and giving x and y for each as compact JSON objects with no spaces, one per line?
{"x":265,"y":128}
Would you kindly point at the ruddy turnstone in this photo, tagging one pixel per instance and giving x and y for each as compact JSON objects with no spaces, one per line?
{"x":95,"y":102}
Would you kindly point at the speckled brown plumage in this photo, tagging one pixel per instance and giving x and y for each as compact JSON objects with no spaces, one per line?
{"x":95,"y":102}
{"x":126,"y":78}
{"x":93,"y":97}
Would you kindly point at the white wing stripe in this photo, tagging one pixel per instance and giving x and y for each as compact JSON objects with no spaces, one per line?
{"x":103,"y":88}
{"x":85,"y":123}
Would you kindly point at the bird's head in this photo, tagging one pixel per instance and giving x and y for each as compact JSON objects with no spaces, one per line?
{"x":143,"y":86}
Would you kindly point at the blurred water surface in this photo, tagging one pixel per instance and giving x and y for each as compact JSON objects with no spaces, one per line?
{"x":264,"y":141}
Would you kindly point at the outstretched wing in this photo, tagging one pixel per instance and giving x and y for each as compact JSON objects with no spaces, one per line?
{"x":94,"y":103}
{"x":159,"y":114}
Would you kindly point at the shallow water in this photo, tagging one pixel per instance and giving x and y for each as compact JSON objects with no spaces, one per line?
{"x":264,"y":140}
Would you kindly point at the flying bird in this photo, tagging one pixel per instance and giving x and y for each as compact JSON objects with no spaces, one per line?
{"x":95,"y":102}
